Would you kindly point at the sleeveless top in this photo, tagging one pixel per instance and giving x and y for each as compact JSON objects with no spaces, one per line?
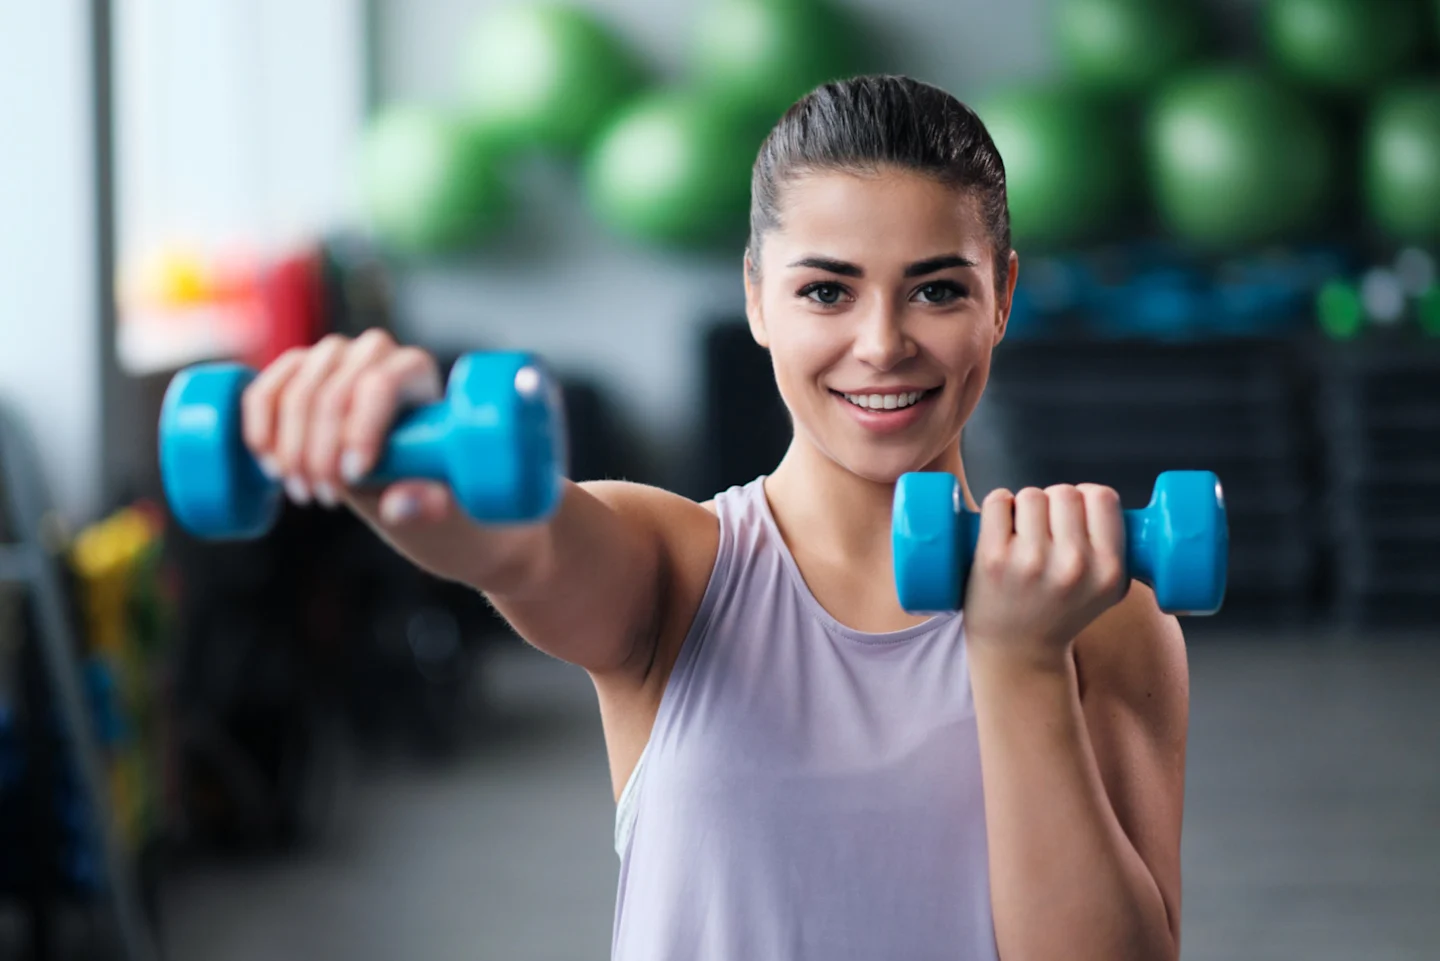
{"x":809,"y":792}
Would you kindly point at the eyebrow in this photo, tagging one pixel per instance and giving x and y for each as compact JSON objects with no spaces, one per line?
{"x":919,"y":268}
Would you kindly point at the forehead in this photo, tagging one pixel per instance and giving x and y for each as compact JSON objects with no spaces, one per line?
{"x":889,"y":214}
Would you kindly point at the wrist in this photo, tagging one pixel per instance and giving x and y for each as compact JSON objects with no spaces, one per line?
{"x":1012,"y":658}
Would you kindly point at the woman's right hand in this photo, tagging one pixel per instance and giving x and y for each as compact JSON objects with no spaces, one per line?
{"x":317,"y":419}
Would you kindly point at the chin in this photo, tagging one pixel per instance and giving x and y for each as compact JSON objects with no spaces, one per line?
{"x":882,"y":466}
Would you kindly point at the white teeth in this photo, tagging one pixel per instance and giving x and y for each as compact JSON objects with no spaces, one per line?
{"x":884,"y":401}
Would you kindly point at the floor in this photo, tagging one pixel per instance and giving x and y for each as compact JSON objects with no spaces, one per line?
{"x":1312,"y":827}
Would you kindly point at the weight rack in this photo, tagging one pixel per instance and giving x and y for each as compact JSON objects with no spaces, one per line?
{"x":52,"y":688}
{"x":1380,"y":405}
{"x":1121,"y":412}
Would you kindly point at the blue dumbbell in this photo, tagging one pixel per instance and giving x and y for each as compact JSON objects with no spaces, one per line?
{"x":497,"y":440}
{"x":1179,"y":545}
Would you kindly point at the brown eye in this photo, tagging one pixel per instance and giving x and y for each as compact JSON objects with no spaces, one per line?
{"x":827,"y":295}
{"x":940,"y":292}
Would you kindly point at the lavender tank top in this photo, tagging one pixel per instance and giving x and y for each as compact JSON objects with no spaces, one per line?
{"x":809,"y":792}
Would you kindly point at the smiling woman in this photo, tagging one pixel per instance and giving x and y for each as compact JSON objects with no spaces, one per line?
{"x":803,"y":769}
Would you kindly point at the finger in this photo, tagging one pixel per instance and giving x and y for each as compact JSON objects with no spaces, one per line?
{"x":1067,"y":517}
{"x":296,"y":405}
{"x":997,"y":529}
{"x":259,"y":407}
{"x":332,"y":407}
{"x":407,"y":376}
{"x":1032,"y":520}
{"x":409,"y":504}
{"x":1106,"y":525}
{"x":1069,"y":558}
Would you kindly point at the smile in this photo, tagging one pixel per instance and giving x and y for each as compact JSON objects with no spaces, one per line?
{"x":894,"y":400}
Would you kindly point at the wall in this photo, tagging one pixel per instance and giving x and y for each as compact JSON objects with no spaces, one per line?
{"x":49,"y":334}
{"x":627,"y":315}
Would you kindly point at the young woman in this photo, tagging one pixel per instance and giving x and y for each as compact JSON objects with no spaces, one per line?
{"x":804,"y":770}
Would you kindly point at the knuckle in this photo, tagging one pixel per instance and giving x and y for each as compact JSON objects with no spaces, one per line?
{"x":330,"y":399}
{"x":1029,"y":495}
{"x":1066,"y":493}
{"x":998,"y":496}
{"x":413,"y":356}
{"x":1029,"y":565}
{"x":295,"y":400}
{"x":1101,"y":495}
{"x":377,"y":384}
{"x":1110,"y":576}
{"x":375,"y":337}
{"x":331,"y":343}
{"x":1070,"y":567}
{"x":992,"y":563}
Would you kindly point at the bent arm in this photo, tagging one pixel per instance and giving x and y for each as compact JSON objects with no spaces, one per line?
{"x":1083,"y":797}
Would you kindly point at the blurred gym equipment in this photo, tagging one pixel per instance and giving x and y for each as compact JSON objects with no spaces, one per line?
{"x":430,"y":180}
{"x":545,"y":76}
{"x":1236,"y":158}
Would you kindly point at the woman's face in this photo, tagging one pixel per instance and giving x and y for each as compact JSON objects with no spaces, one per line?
{"x":876,"y":299}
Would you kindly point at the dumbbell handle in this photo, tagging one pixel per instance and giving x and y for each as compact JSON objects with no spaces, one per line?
{"x":414,"y":449}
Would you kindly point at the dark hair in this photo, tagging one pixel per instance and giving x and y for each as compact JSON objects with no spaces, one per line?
{"x":864,"y":123}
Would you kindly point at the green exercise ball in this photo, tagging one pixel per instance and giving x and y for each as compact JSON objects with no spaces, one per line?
{"x":674,"y":169}
{"x":1344,"y":45}
{"x":1067,"y":162}
{"x":546,"y":75}
{"x":1126,"y":45}
{"x":763,"y":55}
{"x":429,"y":181}
{"x":1402,"y":162}
{"x":1237,"y":158}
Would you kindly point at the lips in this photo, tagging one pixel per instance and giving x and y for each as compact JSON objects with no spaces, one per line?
{"x":885,"y":399}
{"x":870,"y":410}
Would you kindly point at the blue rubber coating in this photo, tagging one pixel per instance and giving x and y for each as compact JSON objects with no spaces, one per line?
{"x":1179,"y":544}
{"x":925,"y":538}
{"x":212,"y":483}
{"x":497,"y":439}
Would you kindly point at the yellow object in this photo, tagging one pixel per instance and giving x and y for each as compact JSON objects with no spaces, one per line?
{"x":106,"y":556}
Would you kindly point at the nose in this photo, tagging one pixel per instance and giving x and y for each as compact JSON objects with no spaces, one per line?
{"x":881,"y":340}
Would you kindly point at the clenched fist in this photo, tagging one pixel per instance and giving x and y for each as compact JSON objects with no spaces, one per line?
{"x":1046,"y":564}
{"x":317,"y":417}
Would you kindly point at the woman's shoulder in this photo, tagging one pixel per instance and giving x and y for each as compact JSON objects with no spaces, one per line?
{"x":687,"y":532}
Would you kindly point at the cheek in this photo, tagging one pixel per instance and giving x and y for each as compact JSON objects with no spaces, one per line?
{"x":802,"y":346}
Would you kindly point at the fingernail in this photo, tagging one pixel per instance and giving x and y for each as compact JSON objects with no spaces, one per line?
{"x":399,"y":509}
{"x":270,"y":467}
{"x":326,"y":495}
{"x":352,"y":466}
{"x":299,"y":493}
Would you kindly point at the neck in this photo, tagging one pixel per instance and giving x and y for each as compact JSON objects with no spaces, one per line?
{"x":840,"y":513}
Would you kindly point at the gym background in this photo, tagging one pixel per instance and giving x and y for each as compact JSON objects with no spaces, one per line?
{"x":1228,"y":213}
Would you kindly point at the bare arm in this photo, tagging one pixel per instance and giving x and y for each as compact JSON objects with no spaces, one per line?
{"x":585,"y":585}
{"x":1084,"y":793}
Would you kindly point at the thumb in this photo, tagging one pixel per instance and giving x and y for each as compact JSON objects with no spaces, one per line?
{"x":410,"y":504}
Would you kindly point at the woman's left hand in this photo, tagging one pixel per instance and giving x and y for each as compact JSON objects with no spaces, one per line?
{"x":1047,"y":563}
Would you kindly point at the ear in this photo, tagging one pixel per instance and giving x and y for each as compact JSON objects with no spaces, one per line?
{"x":1004,"y":299}
{"x":753,"y":313}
